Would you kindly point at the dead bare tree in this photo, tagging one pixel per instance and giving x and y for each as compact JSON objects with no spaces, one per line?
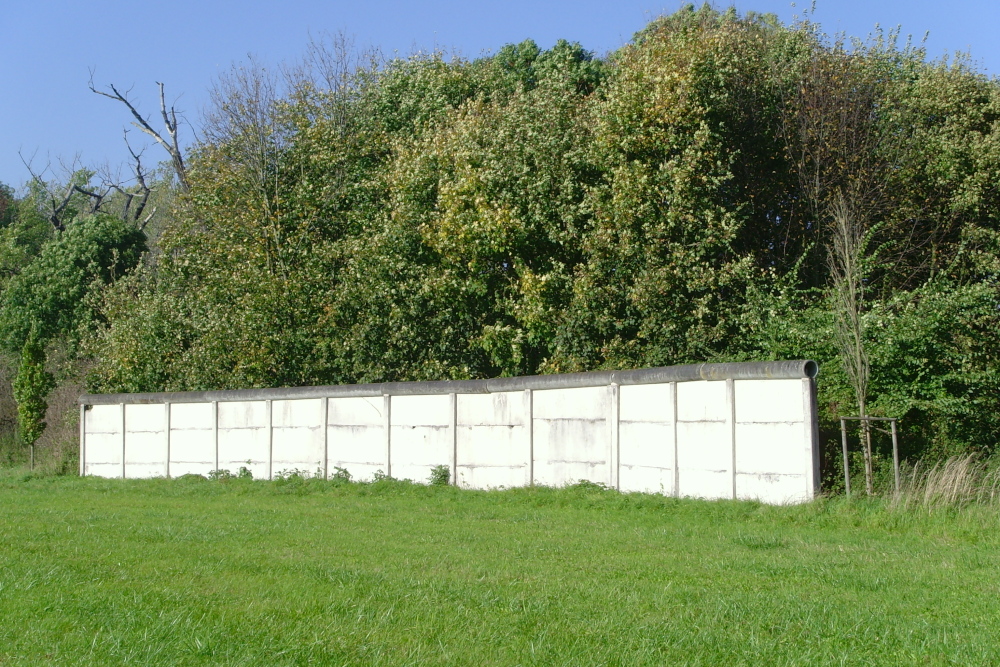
{"x":58,"y":200}
{"x":99,"y":197}
{"x":170,"y":142}
{"x":139,"y":193}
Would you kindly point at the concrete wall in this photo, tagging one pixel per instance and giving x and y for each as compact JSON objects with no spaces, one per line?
{"x":718,"y":431}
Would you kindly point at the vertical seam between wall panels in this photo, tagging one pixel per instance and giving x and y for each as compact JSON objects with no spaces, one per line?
{"x":812,"y":436}
{"x":215,"y":430}
{"x":387,"y":419}
{"x":166,"y":417}
{"x":269,"y":409}
{"x":83,"y":440}
{"x":615,"y":436}
{"x":326,"y":438}
{"x":531,"y":436}
{"x":677,"y":466}
{"x":454,"y":438}
{"x":807,"y":427}
{"x":731,"y":399}
{"x":123,"y":441}
{"x":814,"y":433}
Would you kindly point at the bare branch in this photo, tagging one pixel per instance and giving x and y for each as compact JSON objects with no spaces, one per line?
{"x":171,"y":143}
{"x":57,"y":206}
{"x":142,"y":225}
{"x":97,"y":198}
{"x":140,"y":179}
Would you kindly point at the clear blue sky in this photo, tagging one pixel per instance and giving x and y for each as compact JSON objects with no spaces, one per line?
{"x":48,"y":47}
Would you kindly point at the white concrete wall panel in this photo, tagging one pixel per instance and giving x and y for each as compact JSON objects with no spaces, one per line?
{"x":646,"y":457}
{"x":145,"y":455}
{"x":104,"y":441}
{"x":145,"y":418}
{"x":191,"y":416}
{"x":242,"y":415}
{"x":356,"y":436}
{"x":244,"y":448}
{"x":243,"y":437}
{"x":421,"y":410}
{"x":104,"y":452}
{"x":360,"y":450}
{"x":646,"y":479}
{"x":769,"y":401}
{"x":104,"y":469}
{"x":773,"y":461}
{"x":770,"y":448}
{"x":297,"y":436}
{"x":361,"y":411}
{"x":192,"y":439}
{"x":191,"y":452}
{"x":493,"y":477}
{"x":509,"y":408}
{"x":104,"y":419}
{"x":704,"y":459}
{"x":572,"y":437}
{"x":421,"y":435}
{"x":145,"y":441}
{"x":773,"y":489}
{"x":646,"y":438}
{"x":296,"y":413}
{"x":704,"y":440}
{"x":298,"y":448}
{"x":493,"y":440}
{"x":702,"y":401}
{"x":770,"y":462}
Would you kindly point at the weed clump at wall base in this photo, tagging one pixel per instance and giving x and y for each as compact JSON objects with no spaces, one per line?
{"x":440,"y":476}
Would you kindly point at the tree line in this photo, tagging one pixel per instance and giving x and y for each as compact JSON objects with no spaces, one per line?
{"x":723,"y":187}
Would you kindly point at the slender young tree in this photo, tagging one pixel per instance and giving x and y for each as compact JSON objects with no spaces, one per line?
{"x":844,"y":146}
{"x":846,"y":258}
{"x":31,"y":387}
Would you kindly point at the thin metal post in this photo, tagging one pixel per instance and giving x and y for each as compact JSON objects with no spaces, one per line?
{"x":895,"y":455}
{"x":847,"y":470}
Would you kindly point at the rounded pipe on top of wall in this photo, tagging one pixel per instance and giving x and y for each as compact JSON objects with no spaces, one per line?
{"x":759,"y":370}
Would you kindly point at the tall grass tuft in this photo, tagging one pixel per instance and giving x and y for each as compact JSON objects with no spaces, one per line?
{"x":956,"y":482}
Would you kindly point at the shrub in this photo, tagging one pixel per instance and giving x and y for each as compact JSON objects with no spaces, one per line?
{"x":440,"y":476}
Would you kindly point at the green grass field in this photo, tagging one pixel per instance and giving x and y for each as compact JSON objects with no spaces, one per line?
{"x":296,"y":572}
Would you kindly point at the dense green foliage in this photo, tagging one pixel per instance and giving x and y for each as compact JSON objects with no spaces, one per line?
{"x":50,"y":281}
{"x":48,"y":296}
{"x":539,"y":211}
{"x":192,"y":571}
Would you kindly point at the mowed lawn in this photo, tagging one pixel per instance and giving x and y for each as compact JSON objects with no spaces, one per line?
{"x":193,"y":571}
